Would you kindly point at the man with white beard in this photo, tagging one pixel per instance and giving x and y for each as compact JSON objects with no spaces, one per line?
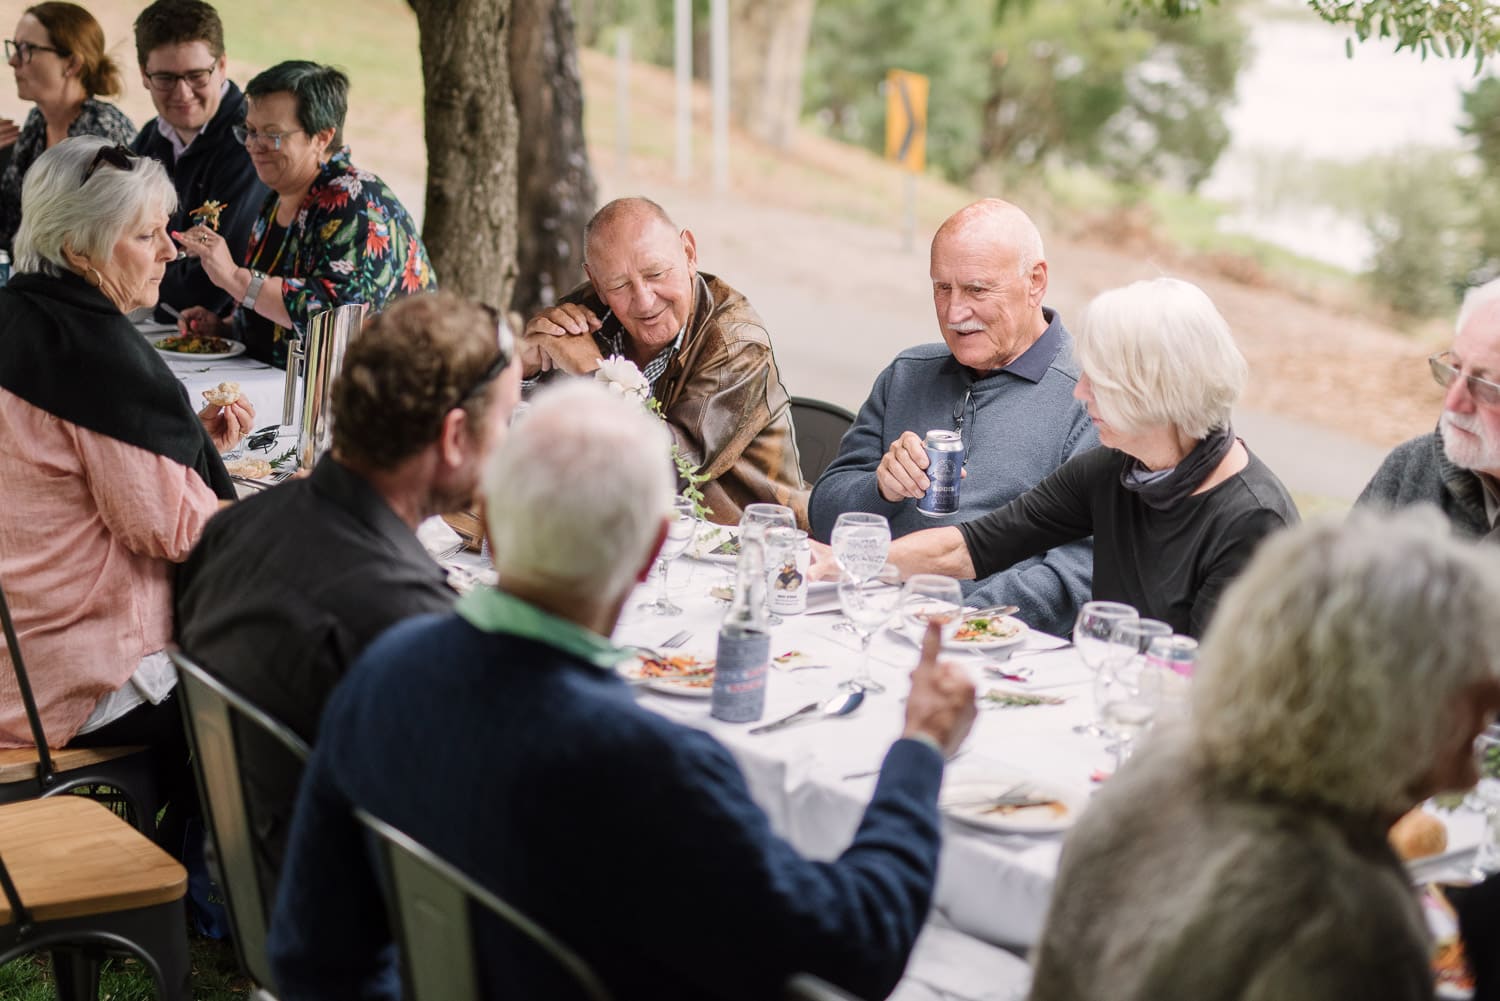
{"x":1456,"y":466}
{"x":1003,"y":378}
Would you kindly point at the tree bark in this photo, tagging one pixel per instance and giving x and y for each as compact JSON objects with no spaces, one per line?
{"x":768,"y":52}
{"x":470,"y":120}
{"x":555,"y":186}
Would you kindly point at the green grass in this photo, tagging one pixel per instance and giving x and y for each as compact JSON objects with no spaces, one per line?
{"x":215,"y":977}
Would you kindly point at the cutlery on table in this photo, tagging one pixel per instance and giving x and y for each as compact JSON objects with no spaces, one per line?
{"x":1021,"y":675}
{"x":993,"y":612}
{"x":841,"y":704}
{"x":1033,"y":653}
{"x":677,"y":639}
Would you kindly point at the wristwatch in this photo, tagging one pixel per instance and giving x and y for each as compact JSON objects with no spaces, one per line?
{"x":257,"y":279}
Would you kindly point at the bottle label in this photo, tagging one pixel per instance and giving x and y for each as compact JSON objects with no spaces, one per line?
{"x":789,"y":578}
{"x":740,"y":676}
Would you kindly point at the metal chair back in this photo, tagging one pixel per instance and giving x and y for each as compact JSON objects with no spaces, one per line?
{"x":819,"y":427}
{"x":429,"y":902}
{"x":209,"y":709}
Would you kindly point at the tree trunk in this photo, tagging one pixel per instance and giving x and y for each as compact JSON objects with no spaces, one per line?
{"x":555,"y":187}
{"x":768,"y":51}
{"x":470,"y":122}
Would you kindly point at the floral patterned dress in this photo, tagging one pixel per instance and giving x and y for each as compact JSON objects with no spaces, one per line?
{"x":351,"y":241}
{"x":95,"y":118}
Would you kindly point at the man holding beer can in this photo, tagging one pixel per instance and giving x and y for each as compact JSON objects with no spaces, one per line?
{"x":954,"y":430}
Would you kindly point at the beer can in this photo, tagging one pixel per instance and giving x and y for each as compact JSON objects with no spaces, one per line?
{"x":791,"y":559}
{"x":4,"y":267}
{"x":1178,"y":654}
{"x":945,"y":468}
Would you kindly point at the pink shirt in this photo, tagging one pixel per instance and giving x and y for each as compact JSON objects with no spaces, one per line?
{"x":89,"y":529}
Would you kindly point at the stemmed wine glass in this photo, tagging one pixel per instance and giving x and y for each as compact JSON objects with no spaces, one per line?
{"x":766,"y":518}
{"x":869,"y":602}
{"x":930,"y":597}
{"x":1121,"y":704}
{"x":1486,"y":797}
{"x":860,"y":543}
{"x":682,"y":526}
{"x":1091,"y":632}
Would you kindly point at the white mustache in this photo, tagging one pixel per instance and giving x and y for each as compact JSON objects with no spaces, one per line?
{"x":1461,"y":421}
{"x":969,"y":327}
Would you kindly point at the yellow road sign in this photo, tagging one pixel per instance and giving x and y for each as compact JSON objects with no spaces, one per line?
{"x":906,"y":119}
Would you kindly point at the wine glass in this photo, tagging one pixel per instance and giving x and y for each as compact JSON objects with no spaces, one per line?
{"x":1091,"y":632}
{"x":860,"y":543}
{"x":766,"y":519}
{"x":1119,"y":679}
{"x":1486,"y":796}
{"x":930,"y":597}
{"x":682,"y":526}
{"x":869,"y":603}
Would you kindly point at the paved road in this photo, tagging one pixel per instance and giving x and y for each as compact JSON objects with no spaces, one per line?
{"x":841,"y":299}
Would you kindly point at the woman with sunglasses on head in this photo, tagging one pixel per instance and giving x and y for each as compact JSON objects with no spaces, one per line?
{"x":329,"y":233}
{"x":57,"y":55}
{"x":109,"y":476}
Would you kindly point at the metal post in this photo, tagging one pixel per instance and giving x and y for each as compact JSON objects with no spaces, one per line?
{"x":683,"y":59}
{"x":719,"y":31}
{"x":909,"y":216}
{"x":622,"y":103}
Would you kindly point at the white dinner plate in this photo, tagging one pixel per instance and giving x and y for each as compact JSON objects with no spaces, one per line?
{"x":694,"y":688}
{"x":716,"y":544}
{"x":150,"y":328}
{"x":236,"y":348}
{"x":913,"y":632}
{"x":970,"y":802}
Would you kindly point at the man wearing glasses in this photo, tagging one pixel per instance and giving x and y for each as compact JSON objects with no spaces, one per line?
{"x":180,"y":46}
{"x":1457,"y":466}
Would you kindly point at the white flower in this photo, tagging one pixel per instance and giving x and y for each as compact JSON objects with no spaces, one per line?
{"x":621,"y":375}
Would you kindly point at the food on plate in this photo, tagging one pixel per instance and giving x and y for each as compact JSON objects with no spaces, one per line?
{"x":223,"y":394}
{"x":729,"y":547}
{"x":1057,"y":807}
{"x":679,"y":669}
{"x":248,"y":469}
{"x":999,"y":698}
{"x":1418,"y":834}
{"x":194,"y":344}
{"x":987,"y":629}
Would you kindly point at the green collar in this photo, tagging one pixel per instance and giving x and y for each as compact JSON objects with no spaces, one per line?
{"x":493,"y":611}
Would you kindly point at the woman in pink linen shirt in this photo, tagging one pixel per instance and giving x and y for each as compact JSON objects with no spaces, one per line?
{"x":109,"y":475}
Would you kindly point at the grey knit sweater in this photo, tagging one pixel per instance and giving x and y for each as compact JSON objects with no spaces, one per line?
{"x":1418,"y":472}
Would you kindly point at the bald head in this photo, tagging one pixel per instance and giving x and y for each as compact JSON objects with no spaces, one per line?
{"x":631,"y":214}
{"x":998,"y":224}
{"x":989,"y":275}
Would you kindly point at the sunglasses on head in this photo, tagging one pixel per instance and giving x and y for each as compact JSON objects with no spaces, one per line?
{"x":116,"y":156}
{"x":506,"y":345}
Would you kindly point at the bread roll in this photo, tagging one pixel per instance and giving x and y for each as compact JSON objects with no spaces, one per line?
{"x":1418,"y":834}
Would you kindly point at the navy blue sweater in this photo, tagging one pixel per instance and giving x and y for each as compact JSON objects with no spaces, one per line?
{"x":630,"y":837}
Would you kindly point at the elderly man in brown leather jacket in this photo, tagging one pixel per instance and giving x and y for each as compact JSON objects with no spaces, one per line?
{"x":698,"y":343}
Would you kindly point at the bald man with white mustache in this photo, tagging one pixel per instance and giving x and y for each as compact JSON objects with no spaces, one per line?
{"x":1003,"y":378}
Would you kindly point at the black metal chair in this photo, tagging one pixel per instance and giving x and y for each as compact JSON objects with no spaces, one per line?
{"x":209,"y":711}
{"x":429,"y":899}
{"x":33,"y":772}
{"x":80,"y":883}
{"x":819,"y":427}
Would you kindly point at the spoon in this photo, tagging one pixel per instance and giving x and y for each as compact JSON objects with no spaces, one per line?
{"x":841,"y":704}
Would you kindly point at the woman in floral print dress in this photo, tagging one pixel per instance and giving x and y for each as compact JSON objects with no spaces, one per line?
{"x":57,"y":55}
{"x":330,"y":233}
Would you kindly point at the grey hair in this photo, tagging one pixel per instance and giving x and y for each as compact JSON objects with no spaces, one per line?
{"x":1158,"y":352}
{"x":1331,"y":668}
{"x":1476,"y":299}
{"x":322,"y":94}
{"x":59,"y":210}
{"x":576,"y":494}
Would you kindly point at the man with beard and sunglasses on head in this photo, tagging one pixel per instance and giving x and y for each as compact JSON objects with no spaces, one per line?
{"x":1456,"y":466}
{"x":289,"y":586}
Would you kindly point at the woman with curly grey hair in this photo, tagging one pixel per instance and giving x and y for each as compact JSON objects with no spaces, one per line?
{"x":1244,"y":854}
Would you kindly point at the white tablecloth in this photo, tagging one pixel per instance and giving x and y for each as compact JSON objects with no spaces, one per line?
{"x":260,"y":382}
{"x":992,"y":886}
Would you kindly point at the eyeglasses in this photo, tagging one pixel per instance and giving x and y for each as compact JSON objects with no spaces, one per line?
{"x":1444,"y":371}
{"x":28,"y":49}
{"x":167,"y":82}
{"x":506,"y":342}
{"x":260,"y":140}
{"x":116,"y":156}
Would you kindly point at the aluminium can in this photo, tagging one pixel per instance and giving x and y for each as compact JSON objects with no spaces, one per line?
{"x":945,"y":468}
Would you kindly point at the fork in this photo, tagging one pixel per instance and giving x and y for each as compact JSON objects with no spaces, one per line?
{"x":1033,"y":653}
{"x":677,"y":639}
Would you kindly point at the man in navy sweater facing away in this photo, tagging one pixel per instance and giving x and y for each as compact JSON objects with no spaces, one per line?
{"x":1003,"y":378}
{"x":500,"y":737}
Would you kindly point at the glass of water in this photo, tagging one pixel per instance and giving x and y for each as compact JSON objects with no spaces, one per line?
{"x":681,"y":528}
{"x":1486,"y":796}
{"x":1119,"y":677}
{"x":1091,"y":634}
{"x":930,"y":597}
{"x":869,"y":603}
{"x":860,"y":543}
{"x":767,"y":518}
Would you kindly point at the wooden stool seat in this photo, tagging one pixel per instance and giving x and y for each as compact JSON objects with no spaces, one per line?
{"x":18,"y":764}
{"x":71,"y":857}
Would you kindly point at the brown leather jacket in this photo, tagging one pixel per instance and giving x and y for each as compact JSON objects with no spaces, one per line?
{"x":724,"y":401}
